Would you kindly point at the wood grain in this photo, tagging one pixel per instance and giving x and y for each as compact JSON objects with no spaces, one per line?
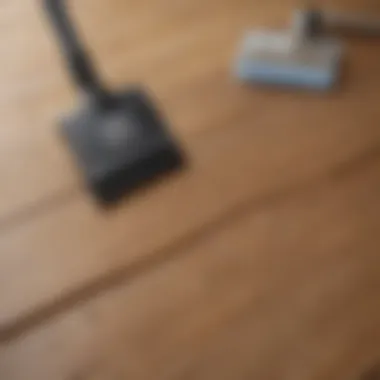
{"x":288,"y":291}
{"x":75,"y":244}
{"x":181,"y":50}
{"x":259,"y":260}
{"x":175,"y":51}
{"x":253,"y":142}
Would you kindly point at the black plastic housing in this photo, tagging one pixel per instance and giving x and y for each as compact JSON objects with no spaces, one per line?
{"x":122,"y":145}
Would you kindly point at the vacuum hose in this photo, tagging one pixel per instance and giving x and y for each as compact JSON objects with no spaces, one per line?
{"x":79,"y":63}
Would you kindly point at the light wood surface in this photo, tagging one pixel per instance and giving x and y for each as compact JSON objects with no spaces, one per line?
{"x":288,"y":290}
{"x":260,"y":260}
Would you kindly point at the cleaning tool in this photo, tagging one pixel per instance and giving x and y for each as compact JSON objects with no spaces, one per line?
{"x":119,"y":139}
{"x":306,"y":56}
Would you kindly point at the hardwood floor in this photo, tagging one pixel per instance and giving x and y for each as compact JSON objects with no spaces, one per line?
{"x":259,"y":260}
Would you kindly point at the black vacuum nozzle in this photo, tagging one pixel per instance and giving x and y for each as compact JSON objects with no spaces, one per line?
{"x":119,"y":139}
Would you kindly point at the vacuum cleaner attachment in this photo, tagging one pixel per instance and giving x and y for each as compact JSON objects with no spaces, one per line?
{"x":303,"y":57}
{"x":119,"y":139}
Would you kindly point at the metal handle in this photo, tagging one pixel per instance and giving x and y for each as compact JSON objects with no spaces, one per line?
{"x":352,"y":22}
{"x":306,"y":24}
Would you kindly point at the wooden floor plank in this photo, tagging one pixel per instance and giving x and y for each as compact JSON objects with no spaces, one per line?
{"x":220,"y":310}
{"x":170,"y":57}
{"x":287,"y":291}
{"x":182,"y":51}
{"x":263,"y":140}
{"x":75,"y":244}
{"x":172,"y":51}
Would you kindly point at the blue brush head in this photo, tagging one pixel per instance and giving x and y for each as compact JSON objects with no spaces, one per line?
{"x":272,"y":74}
{"x":272,"y":58}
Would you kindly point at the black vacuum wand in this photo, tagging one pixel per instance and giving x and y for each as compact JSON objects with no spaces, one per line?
{"x":119,"y":139}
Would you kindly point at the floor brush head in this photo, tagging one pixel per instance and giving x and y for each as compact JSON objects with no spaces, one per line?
{"x":274,"y":58}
